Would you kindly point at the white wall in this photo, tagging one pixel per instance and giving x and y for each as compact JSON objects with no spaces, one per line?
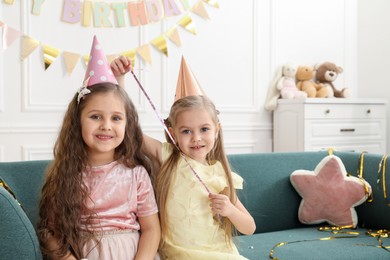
{"x":374,"y":51}
{"x":233,"y":55}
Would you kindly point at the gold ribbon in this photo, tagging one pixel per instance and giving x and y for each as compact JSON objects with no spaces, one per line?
{"x":367,"y":191}
{"x":382,"y":167}
{"x":351,"y":235}
{"x":7,"y":188}
{"x":379,"y":235}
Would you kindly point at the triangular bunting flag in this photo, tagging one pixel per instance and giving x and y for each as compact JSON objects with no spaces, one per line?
{"x":9,"y":36}
{"x":212,"y":3}
{"x":174,"y":36}
{"x":199,"y":9}
{"x":144,"y":52}
{"x":186,"y":23}
{"x":161,"y":44}
{"x":49,"y":55}
{"x":28,"y":46}
{"x":131,"y":55}
{"x":70,"y":60}
{"x":1,"y":24}
{"x":10,"y":2}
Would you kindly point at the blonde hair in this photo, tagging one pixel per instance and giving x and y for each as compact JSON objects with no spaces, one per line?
{"x":63,"y":193}
{"x":164,"y":177}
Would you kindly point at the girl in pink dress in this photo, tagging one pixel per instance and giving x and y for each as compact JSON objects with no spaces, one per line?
{"x":97,"y":201}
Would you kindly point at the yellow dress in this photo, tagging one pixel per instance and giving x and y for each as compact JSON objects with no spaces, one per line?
{"x":194,"y":233}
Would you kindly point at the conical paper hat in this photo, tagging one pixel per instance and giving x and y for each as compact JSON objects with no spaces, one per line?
{"x":98,"y":70}
{"x":187,"y":85}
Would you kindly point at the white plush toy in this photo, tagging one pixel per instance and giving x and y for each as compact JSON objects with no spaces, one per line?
{"x":283,"y":86}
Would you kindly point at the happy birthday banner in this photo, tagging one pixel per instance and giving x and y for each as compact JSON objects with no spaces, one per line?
{"x":140,"y":13}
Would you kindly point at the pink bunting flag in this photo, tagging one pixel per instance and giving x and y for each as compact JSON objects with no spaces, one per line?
{"x":9,"y":36}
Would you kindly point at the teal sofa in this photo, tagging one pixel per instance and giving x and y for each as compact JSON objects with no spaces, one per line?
{"x":267,"y":194}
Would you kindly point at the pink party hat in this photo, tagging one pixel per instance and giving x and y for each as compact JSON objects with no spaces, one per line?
{"x":98,"y":70}
{"x":187,"y":85}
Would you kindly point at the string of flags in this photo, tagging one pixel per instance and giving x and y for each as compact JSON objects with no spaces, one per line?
{"x":50,"y":53}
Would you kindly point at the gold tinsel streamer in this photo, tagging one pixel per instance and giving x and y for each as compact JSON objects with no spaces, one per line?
{"x":367,"y":190}
{"x":161,"y":44}
{"x":382,"y":167}
{"x":7,"y":188}
{"x":49,"y":55}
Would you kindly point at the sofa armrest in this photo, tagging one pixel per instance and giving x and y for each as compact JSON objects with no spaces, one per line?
{"x":18,"y":239}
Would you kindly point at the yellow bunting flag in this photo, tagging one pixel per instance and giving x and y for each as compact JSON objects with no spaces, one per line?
{"x":212,"y":3}
{"x":200,"y":10}
{"x":161,"y":44}
{"x":144,"y":52}
{"x":86,"y":59}
{"x":111,"y":57}
{"x":130,"y":54}
{"x":186,"y":23}
{"x":10,"y":2}
{"x":49,"y":55}
{"x":174,"y":36}
{"x":70,"y":60}
{"x":28,"y":46}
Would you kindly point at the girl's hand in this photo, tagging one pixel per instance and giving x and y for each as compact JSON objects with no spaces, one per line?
{"x":220,"y":204}
{"x":121,"y":65}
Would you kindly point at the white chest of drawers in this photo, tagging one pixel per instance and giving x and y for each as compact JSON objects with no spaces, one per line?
{"x":345,"y":124}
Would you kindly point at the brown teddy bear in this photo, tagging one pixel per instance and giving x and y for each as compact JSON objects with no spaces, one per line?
{"x":304,"y":76}
{"x":326,"y":73}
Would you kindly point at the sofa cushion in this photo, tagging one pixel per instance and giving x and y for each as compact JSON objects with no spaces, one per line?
{"x":309,"y":243}
{"x":328,"y":194}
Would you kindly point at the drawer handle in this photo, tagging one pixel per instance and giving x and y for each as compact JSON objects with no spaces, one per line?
{"x":347,"y":130}
{"x":327,"y":111}
{"x":368,"y":111}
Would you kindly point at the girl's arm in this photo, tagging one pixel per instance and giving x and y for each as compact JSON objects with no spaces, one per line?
{"x":237,"y":213}
{"x":150,"y":237}
{"x":153,"y":149}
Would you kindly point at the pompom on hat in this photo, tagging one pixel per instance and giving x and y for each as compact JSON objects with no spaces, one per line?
{"x":98,"y":70}
{"x":187,"y":85}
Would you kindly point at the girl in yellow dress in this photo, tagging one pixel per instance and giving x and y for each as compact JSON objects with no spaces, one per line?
{"x":195,"y":188}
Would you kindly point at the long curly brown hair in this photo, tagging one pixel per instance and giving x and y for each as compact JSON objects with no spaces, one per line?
{"x":164,"y":177}
{"x":63,"y":193}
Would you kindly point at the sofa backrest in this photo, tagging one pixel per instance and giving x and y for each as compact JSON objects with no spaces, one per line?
{"x":272,"y":200}
{"x":25,"y":179}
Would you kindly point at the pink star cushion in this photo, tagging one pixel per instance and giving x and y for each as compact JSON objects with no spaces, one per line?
{"x":328,"y":194}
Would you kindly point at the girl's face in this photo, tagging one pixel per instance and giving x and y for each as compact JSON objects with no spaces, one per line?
{"x":195,"y":132}
{"x":103,"y":123}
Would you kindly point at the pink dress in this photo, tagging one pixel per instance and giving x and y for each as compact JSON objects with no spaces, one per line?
{"x":118,"y":195}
